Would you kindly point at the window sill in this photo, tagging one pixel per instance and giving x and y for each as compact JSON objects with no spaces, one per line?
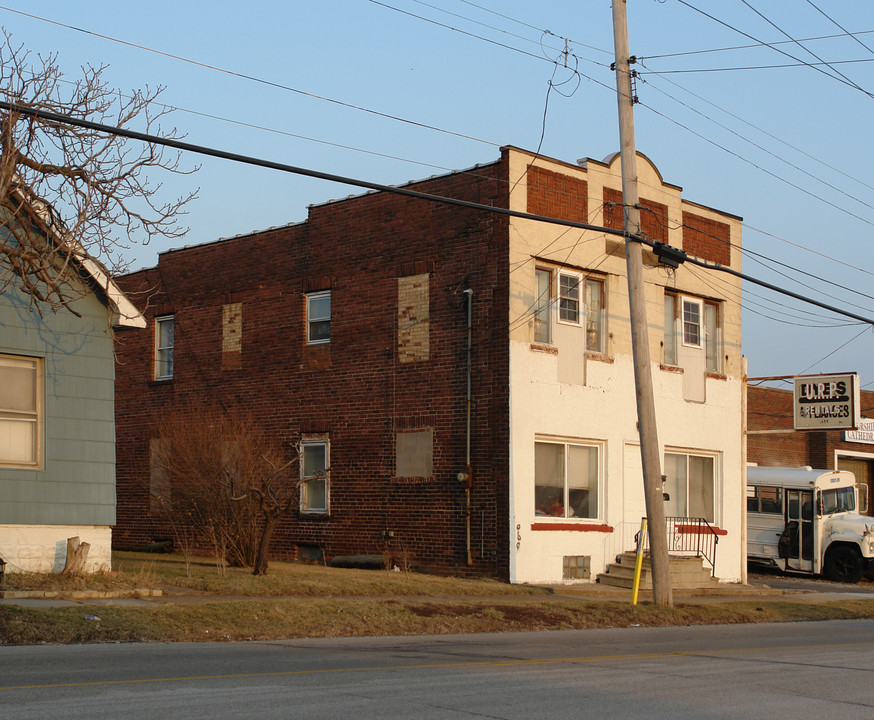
{"x":314,"y":515}
{"x":691,"y":529}
{"x":576,"y":525}
{"x":671,"y":368}
{"x":396,"y":480}
{"x":598,"y":357}
{"x":160,"y":382}
{"x":716,"y":376}
{"x":540,"y":347}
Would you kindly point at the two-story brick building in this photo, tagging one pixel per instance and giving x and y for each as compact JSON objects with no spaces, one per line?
{"x":402,"y":340}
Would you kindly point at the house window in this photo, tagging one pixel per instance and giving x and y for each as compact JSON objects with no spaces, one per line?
{"x":692,"y":332}
{"x":566,"y":480}
{"x":699,"y":327}
{"x":690,"y":481}
{"x":164,"y":339}
{"x":314,"y":471}
{"x":543,"y":306}
{"x":319,"y":317}
{"x":594,"y":315}
{"x":569,"y":298}
{"x":670,"y":343}
{"x":21,"y":410}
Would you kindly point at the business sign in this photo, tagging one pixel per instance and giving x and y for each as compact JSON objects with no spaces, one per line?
{"x":826,"y":402}
{"x":862,"y":434}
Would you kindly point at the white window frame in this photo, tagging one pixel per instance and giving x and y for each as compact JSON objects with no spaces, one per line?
{"x":566,"y":503}
{"x":564,"y":298}
{"x":671,"y":488}
{"x":164,"y":351}
{"x":312,"y":318}
{"x":305,"y":507}
{"x":685,"y":301}
{"x":30,"y":419}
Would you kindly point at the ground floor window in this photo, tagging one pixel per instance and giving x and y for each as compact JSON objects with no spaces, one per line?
{"x":690,"y":481}
{"x":566,"y":479}
{"x":20,"y":410}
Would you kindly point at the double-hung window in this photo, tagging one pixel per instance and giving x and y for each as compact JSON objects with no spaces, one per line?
{"x":164,"y":341}
{"x":690,"y":481}
{"x":692,"y":323}
{"x":569,"y":300}
{"x":318,"y":308}
{"x":566,"y":479}
{"x":21,"y":410}
{"x":314,"y":471}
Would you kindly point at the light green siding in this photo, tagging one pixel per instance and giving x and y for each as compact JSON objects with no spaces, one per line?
{"x":76,"y":484}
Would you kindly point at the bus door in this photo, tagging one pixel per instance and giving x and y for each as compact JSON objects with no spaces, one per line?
{"x":796,"y":541}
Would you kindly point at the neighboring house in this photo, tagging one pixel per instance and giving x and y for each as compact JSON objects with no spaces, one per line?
{"x":57,"y":422}
{"x":772,"y":440}
{"x":349,"y":333}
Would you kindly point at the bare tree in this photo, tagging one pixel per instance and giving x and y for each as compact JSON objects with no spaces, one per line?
{"x":228,"y":482}
{"x":91,"y":193}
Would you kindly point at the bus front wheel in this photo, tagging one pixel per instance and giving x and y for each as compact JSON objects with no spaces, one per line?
{"x":843,"y":564}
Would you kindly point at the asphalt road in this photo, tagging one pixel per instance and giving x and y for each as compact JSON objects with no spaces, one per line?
{"x":794,"y":670}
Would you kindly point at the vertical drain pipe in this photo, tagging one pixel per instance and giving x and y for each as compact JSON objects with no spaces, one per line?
{"x":468,"y":472}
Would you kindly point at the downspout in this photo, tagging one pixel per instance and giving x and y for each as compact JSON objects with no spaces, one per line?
{"x":468,"y":471}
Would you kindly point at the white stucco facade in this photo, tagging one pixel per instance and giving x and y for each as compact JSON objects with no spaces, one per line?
{"x":565,"y":398}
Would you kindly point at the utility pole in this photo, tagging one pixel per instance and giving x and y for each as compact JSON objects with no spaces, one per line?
{"x":646,"y":420}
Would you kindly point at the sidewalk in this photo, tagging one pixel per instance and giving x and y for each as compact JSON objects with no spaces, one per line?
{"x":591,"y":592}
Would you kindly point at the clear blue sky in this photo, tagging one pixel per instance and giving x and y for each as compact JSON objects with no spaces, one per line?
{"x":786,"y":148}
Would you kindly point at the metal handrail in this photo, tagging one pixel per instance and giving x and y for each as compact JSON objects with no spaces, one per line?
{"x":688,"y":535}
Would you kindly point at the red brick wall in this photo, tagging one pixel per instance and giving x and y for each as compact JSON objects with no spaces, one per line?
{"x":653,"y":215}
{"x":707,"y":239}
{"x":557,"y":195}
{"x":354,"y":388}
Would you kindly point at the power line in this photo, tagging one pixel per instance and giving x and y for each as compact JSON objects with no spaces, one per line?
{"x":38,"y":113}
{"x":835,"y":22}
{"x":757,"y":45}
{"x":838,"y":72}
{"x":772,"y":46}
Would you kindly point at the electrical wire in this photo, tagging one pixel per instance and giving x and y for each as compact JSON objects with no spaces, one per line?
{"x":841,"y":27}
{"x":772,"y":46}
{"x":852,"y":83}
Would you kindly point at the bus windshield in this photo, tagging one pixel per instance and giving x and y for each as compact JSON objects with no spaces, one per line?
{"x":838,"y":500}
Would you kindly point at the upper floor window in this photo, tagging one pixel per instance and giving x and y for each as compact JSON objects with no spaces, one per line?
{"x":318,"y":308}
{"x":543,"y":306}
{"x":314,"y":464}
{"x":692,"y":323}
{"x":581,"y":301}
{"x":569,"y":298}
{"x":595,"y":315}
{"x":21,"y":410}
{"x":164,"y":341}
{"x":566,"y":478}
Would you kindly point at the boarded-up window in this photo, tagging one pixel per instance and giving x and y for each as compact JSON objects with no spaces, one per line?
{"x":159,"y":478}
{"x":413,"y":318}
{"x":232,"y":336}
{"x":414,"y":454}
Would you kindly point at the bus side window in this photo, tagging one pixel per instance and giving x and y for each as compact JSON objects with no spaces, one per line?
{"x":771,"y":500}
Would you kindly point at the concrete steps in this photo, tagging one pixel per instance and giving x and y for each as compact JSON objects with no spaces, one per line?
{"x":687,"y":573}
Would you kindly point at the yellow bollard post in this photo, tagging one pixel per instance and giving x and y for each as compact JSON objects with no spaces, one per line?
{"x":638,"y":564}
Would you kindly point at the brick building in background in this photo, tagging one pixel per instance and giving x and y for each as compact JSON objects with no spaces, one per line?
{"x":349,"y":333}
{"x":772,"y":440}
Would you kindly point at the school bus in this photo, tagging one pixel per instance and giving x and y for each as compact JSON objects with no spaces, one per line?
{"x":807,"y":521}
